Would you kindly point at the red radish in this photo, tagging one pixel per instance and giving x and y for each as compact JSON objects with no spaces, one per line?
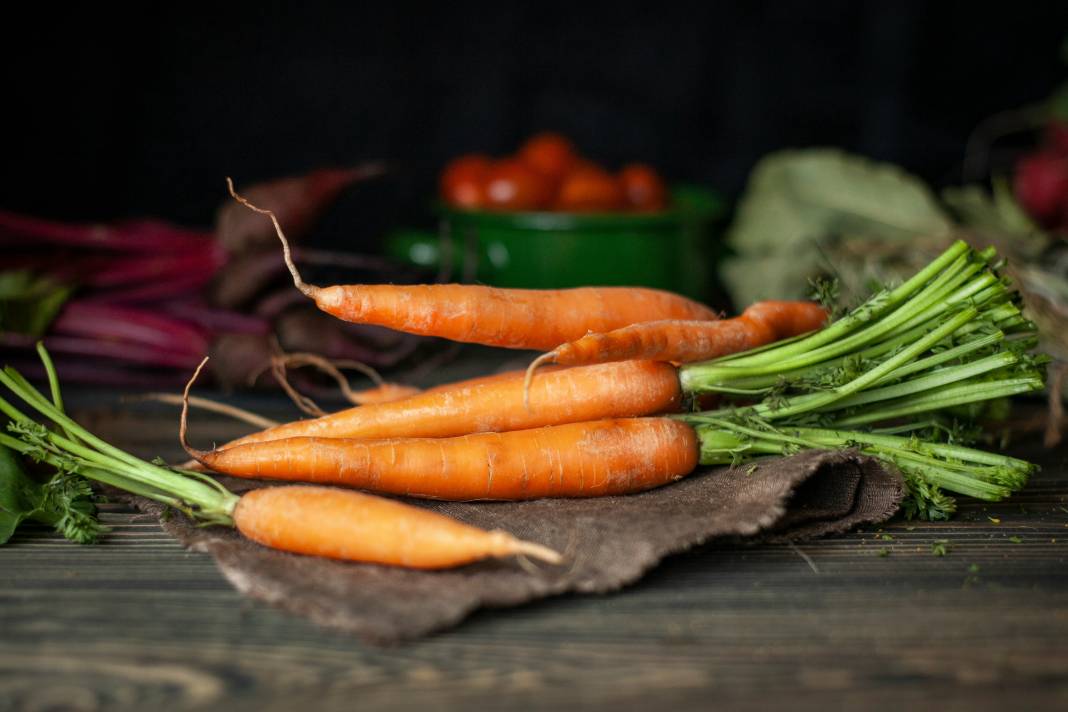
{"x":1041,"y":186}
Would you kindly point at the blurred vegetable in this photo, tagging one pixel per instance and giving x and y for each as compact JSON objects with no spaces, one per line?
{"x":298,"y":201}
{"x":463,"y":182}
{"x":589,"y":190}
{"x":800,"y":203}
{"x":1041,"y":185}
{"x":547,"y":173}
{"x":128,"y":303}
{"x":643,"y":188}
{"x":550,"y":154}
{"x":29,"y":302}
{"x":513,"y":185}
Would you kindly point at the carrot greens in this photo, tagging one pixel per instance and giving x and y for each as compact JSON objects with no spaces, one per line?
{"x":77,"y":456}
{"x":946,"y":341}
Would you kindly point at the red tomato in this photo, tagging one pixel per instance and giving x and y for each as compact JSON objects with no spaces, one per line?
{"x":550,"y":154}
{"x":463,"y":182}
{"x":513,"y":185}
{"x":643,"y":188}
{"x":589,"y":190}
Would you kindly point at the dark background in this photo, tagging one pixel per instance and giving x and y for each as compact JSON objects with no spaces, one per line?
{"x":144,"y":114}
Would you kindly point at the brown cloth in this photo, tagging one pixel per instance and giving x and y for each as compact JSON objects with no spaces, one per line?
{"x":608,"y":542}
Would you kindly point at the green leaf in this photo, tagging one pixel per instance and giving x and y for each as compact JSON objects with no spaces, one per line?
{"x":20,"y":496}
{"x":29,"y":302}
{"x":997,"y":215}
{"x":797,"y":202}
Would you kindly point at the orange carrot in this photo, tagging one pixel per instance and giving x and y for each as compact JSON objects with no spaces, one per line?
{"x":387,"y":392}
{"x":510,"y":318}
{"x":382,"y":392}
{"x":495,"y":403}
{"x":341,"y":524}
{"x":688,"y":341}
{"x":606,"y":457}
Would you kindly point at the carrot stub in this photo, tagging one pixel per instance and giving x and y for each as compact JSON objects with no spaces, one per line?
{"x":341,"y":524}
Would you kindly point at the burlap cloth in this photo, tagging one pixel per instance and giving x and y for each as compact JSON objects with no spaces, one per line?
{"x":608,"y":542}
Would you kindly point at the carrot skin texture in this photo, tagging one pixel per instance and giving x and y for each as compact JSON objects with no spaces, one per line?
{"x":384,"y":393}
{"x":687,"y":341}
{"x":347,"y":525}
{"x":607,"y":457}
{"x":391,"y":392}
{"x":495,"y":403}
{"x":509,"y":318}
{"x":787,"y":318}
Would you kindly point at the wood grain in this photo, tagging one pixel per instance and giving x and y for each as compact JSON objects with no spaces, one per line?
{"x":137,"y":623}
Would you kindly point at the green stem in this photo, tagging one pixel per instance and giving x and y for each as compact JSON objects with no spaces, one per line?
{"x":806,"y":403}
{"x":212,"y":501}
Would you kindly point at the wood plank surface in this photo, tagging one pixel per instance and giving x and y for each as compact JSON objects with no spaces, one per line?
{"x":869,"y":620}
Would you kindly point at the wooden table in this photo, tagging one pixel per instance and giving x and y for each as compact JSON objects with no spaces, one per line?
{"x":869,"y":620}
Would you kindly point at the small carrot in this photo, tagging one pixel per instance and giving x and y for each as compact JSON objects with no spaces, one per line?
{"x":387,"y":392}
{"x":341,"y":524}
{"x":319,"y":521}
{"x":606,"y":457}
{"x":495,"y":403}
{"x":382,"y":392}
{"x":689,"y":341}
{"x":509,"y":318}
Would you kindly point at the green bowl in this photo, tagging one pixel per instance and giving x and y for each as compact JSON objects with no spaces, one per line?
{"x":672,"y":250}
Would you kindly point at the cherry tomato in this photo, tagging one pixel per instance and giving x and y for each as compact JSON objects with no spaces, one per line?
{"x":463,"y":182}
{"x":644,"y":189}
{"x":513,"y":185}
{"x":550,"y":154}
{"x":589,"y":190}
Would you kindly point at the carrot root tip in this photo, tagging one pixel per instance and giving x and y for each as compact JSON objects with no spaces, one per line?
{"x":521,"y":547}
{"x":529,"y":377}
{"x":309,"y":290}
{"x":183,"y":424}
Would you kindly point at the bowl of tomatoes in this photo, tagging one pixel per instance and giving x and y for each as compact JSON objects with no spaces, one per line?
{"x":547,"y":217}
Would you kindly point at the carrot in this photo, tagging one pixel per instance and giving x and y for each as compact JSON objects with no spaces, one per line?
{"x":495,"y":403}
{"x":510,"y":318}
{"x":318,"y":521}
{"x":688,"y":341}
{"x":387,"y":392}
{"x":382,"y":392}
{"x":341,"y":524}
{"x":605,"y":457}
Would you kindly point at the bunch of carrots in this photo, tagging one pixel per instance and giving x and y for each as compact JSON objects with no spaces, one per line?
{"x":612,"y":416}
